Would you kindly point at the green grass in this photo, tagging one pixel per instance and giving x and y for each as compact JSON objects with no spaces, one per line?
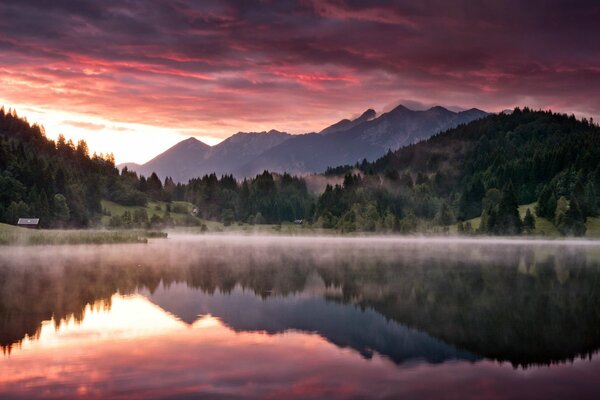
{"x":10,"y":234}
{"x":152,"y":208}
{"x":593,"y":227}
{"x":158,"y":208}
{"x":543,"y":226}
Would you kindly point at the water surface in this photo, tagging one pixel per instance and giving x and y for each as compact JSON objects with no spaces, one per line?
{"x":278,"y":317}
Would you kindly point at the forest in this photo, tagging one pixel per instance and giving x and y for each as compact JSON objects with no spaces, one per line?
{"x":63,"y":185}
{"x":484,"y":169}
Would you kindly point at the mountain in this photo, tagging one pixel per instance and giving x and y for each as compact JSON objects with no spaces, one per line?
{"x":191,"y":158}
{"x":239,"y":149}
{"x":346,"y":124}
{"x":368,"y":139}
{"x":345,"y":142}
{"x":131,"y":166}
{"x":179,"y":161}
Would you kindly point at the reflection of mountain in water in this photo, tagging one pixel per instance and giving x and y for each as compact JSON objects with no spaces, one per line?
{"x":523,"y":303}
{"x":344,"y":325}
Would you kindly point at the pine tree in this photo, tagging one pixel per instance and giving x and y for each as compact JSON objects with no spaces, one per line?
{"x":60,"y":209}
{"x":509,"y":221}
{"x":445,"y":215}
{"x":529,"y":222}
{"x":43,"y":209}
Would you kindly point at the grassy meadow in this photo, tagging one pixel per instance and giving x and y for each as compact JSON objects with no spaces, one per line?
{"x":180,"y":210}
{"x":544,"y":227}
{"x":13,"y":235}
{"x":181,"y":214}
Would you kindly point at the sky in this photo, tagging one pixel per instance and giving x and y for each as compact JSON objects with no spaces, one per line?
{"x":135,"y":77}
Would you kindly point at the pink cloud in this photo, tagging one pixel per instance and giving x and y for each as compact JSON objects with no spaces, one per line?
{"x":296,"y":65}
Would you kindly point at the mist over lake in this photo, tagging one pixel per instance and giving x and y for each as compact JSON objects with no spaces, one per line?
{"x":311,"y":317}
{"x":300,"y":199}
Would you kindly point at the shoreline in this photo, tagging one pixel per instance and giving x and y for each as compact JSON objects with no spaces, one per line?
{"x":391,"y":238}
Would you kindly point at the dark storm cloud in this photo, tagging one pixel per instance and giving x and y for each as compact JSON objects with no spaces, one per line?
{"x":297,"y":63}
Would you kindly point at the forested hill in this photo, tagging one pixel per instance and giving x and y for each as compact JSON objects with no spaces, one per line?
{"x":482,"y":169}
{"x":63,"y":185}
{"x":522,"y":157}
{"x":56,"y":181}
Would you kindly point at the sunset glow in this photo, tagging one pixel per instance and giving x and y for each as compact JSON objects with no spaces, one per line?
{"x":208,"y":358}
{"x":133,"y":80}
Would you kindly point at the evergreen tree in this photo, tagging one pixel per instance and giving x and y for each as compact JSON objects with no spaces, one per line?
{"x":42,"y":209}
{"x":529,"y":222}
{"x":61,"y":210}
{"x":570,"y":219}
{"x":509,"y":221}
{"x":154,"y":187}
{"x":445,"y":216}
{"x":15,"y":211}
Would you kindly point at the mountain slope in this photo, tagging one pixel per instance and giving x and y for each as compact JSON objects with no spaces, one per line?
{"x":345,"y":142}
{"x":369,"y":139}
{"x":346,"y":124}
{"x":57,"y":182}
{"x":192,"y":158}
{"x":178,"y":162}
{"x":239,"y":149}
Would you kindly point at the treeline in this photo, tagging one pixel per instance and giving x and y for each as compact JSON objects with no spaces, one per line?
{"x":482,"y":169}
{"x":58,"y":182}
{"x":266,"y":199}
{"x":62,"y":184}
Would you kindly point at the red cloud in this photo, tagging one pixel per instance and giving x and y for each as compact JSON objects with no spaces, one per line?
{"x":295,"y":65}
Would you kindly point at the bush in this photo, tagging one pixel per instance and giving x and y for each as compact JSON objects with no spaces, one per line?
{"x":179,"y":209}
{"x":228,"y":217}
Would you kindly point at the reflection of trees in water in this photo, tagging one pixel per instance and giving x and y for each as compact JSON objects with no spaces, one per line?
{"x":523,"y":308}
{"x":524,"y":304}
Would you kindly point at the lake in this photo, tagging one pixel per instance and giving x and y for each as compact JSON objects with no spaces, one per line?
{"x":296,"y":317}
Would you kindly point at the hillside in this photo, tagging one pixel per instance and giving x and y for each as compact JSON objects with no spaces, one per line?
{"x":478,"y":172}
{"x":488,"y":166}
{"x":58,"y":182}
{"x":64,"y":186}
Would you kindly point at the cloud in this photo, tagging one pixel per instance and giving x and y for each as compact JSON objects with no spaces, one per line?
{"x":85,"y":125}
{"x":226,"y":66}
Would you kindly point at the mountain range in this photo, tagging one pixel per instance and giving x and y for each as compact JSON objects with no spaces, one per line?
{"x":346,"y":142}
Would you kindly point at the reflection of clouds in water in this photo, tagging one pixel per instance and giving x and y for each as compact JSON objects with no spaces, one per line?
{"x":462,"y":292}
{"x":289,"y":317}
{"x":211,"y":360}
{"x":128,"y":317}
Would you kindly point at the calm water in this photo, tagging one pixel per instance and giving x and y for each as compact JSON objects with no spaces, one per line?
{"x":233,"y":317}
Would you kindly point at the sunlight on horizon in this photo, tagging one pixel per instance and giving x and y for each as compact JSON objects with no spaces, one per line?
{"x":129,"y":142}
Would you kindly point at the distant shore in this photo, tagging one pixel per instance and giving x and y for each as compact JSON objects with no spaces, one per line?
{"x":12,"y":235}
